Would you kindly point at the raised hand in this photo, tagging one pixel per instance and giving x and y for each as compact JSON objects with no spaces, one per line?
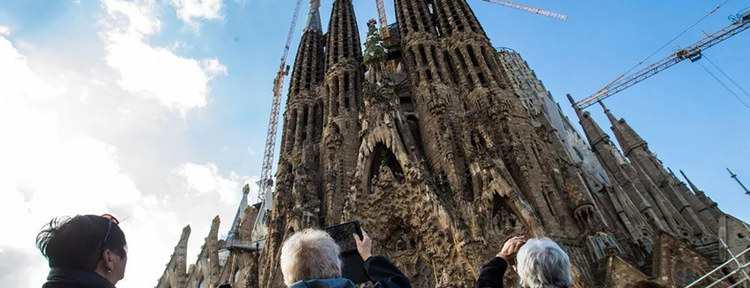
{"x":364,"y":246}
{"x":511,"y":247}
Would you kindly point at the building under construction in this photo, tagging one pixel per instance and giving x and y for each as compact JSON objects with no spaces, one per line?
{"x":447,"y":148}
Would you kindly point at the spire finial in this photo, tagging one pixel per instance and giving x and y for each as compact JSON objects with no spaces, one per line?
{"x":313,"y":18}
{"x":692,"y":186}
{"x":612,"y":118}
{"x":603,"y":107}
{"x":572,"y":102}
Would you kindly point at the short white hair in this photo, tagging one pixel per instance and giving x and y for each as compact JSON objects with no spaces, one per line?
{"x":541,"y":263}
{"x":310,"y":254}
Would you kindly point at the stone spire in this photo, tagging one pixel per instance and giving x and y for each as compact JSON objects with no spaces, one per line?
{"x":313,"y":18}
{"x":636,"y":149}
{"x":303,"y":116}
{"x":308,"y":64}
{"x":343,"y":35}
{"x":593,"y":131}
{"x":707,"y":201}
{"x":175,"y":275}
{"x":455,"y":16}
{"x":344,"y":79}
{"x":622,"y":172}
{"x":626,"y":136}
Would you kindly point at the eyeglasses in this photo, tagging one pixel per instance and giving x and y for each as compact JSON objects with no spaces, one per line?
{"x":112,"y":220}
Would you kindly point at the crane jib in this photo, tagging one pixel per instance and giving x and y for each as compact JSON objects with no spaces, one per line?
{"x":693,"y":53}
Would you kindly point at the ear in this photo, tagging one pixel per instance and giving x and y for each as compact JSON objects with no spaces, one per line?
{"x":109,"y":261}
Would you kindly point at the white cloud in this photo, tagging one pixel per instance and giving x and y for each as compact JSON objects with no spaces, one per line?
{"x":154,"y":72}
{"x":192,"y":11}
{"x":4,"y":30}
{"x":17,"y":80}
{"x":65,"y":149}
{"x":207,"y":179}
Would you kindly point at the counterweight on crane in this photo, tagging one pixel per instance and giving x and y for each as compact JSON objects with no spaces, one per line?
{"x":740,"y":22}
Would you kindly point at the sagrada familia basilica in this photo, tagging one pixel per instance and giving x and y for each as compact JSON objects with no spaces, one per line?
{"x":453,"y":151}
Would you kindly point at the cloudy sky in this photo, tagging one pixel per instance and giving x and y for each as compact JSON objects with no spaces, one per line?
{"x":156,"y":110}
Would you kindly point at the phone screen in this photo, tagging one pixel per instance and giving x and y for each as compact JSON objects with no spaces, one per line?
{"x":342,"y":234}
{"x":353,"y":268}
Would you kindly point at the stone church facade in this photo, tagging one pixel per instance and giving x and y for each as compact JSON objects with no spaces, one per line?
{"x":457,"y":150}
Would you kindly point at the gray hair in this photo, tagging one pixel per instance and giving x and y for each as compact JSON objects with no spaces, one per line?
{"x":542,"y":263}
{"x":310,"y":254}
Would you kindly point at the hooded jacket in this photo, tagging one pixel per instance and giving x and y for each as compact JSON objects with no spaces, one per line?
{"x":380,"y":271}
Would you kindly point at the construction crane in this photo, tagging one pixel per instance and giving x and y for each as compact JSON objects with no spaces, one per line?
{"x":266,"y":182}
{"x":740,"y":22}
{"x":520,"y":6}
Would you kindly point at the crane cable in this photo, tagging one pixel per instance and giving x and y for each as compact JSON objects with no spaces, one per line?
{"x":670,"y":41}
{"x":725,"y":86}
{"x":725,"y":75}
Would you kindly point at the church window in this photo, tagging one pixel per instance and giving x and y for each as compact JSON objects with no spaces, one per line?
{"x":578,"y":153}
{"x":472,"y":56}
{"x":684,"y":275}
{"x":422,"y":54}
{"x":451,"y":70}
{"x":305,"y":111}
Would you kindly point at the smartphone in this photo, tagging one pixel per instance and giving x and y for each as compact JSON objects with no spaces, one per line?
{"x":342,"y":234}
{"x":353,"y":265}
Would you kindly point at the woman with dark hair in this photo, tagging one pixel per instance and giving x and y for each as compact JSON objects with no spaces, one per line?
{"x":86,"y":251}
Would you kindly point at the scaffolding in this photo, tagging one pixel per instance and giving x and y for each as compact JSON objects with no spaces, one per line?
{"x":742,"y":267}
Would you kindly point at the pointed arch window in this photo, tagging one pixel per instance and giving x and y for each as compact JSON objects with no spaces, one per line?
{"x":684,"y":275}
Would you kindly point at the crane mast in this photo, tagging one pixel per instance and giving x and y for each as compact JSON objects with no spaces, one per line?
{"x":740,"y":23}
{"x":266,"y":181}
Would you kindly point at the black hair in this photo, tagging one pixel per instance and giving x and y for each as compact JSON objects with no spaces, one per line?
{"x":76,"y":243}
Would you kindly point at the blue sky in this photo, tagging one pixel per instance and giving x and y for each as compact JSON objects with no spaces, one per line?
{"x":158,"y":109}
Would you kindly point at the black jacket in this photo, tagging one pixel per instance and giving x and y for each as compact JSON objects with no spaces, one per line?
{"x":491,"y":274}
{"x":66,"y":278}
{"x":380,"y":271}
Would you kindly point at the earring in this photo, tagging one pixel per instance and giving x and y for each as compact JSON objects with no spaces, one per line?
{"x":109,"y":271}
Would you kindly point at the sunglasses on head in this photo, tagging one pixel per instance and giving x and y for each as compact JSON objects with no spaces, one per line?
{"x":112,"y":220}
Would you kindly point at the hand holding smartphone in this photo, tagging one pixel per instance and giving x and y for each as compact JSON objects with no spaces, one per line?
{"x":353,"y":264}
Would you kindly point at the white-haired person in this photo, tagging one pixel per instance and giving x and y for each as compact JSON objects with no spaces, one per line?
{"x":540,"y":263}
{"x":310,"y":259}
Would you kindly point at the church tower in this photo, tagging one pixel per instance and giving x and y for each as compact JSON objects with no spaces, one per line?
{"x":343,"y":89}
{"x":297,"y":201}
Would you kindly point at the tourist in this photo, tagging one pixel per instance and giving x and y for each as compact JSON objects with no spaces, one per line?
{"x":310,"y":259}
{"x":540,"y":263}
{"x":86,"y":251}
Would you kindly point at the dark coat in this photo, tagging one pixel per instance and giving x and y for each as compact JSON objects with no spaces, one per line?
{"x":491,"y":274}
{"x":380,"y":271}
{"x":67,"y":278}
